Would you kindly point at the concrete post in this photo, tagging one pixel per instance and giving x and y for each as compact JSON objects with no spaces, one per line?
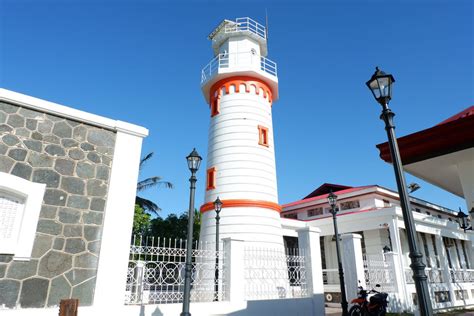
{"x":396,"y":275}
{"x":353,"y":264}
{"x":308,"y":239}
{"x":398,"y":266}
{"x":234,"y":273}
{"x":444,"y":266}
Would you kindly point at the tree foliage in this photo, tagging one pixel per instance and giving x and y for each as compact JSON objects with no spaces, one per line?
{"x":141,"y":221}
{"x":174,"y":226}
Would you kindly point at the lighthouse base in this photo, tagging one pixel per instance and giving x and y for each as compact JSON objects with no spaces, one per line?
{"x":259,"y":227}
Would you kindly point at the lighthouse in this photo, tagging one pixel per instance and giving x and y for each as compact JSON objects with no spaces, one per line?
{"x":240,"y":86}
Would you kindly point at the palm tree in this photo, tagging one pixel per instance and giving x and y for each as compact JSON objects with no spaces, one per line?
{"x":147,"y":205}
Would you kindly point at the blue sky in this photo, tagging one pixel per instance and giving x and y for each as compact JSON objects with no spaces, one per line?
{"x":140,"y":61}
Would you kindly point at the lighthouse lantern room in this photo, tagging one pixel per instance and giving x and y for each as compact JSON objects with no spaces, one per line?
{"x":240,"y":85}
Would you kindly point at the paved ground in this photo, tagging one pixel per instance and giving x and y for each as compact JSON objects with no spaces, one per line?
{"x":333,"y":310}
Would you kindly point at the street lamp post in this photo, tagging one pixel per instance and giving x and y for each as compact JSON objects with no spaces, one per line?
{"x":381,"y":87}
{"x":217,"y":208}
{"x":194,"y":161}
{"x":332,"y":199}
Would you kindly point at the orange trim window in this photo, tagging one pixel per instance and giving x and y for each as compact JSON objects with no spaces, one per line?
{"x":215,"y":106}
{"x":211,"y":179}
{"x":263,"y":136}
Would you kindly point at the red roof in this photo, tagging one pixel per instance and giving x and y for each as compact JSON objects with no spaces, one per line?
{"x":454,"y":134}
{"x":467,"y":112}
{"x":324,"y":196}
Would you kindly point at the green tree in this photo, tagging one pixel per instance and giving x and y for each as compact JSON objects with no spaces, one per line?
{"x":141,"y":221}
{"x":148,"y":183}
{"x":174,"y":226}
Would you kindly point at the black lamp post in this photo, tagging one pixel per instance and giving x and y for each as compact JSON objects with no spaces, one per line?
{"x":194,"y":161}
{"x":464,"y":223}
{"x":381,"y":87}
{"x":217,"y":208}
{"x":332,"y":199}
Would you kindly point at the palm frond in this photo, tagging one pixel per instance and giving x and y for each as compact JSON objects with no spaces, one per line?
{"x":151,"y":182}
{"x":145,"y":159}
{"x":147,"y":205}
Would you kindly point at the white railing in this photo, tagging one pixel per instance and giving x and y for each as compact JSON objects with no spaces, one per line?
{"x":156,"y":272}
{"x":248,"y":60}
{"x":271,"y":274}
{"x":435,"y":275}
{"x":246,"y":24}
{"x":379,"y":271}
{"x":462,"y":276}
{"x":330,"y":276}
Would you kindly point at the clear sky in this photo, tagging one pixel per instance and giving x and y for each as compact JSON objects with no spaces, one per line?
{"x":140,"y":61}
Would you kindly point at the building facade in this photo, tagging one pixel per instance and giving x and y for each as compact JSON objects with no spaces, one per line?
{"x":373,"y":212}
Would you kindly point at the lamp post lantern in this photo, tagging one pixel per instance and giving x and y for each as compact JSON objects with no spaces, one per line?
{"x":332,"y":199}
{"x":194,"y":161}
{"x":380,"y":84}
{"x":464,"y":222}
{"x":217,"y":208}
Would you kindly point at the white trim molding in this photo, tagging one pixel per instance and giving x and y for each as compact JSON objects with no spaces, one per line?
{"x":118,"y":223}
{"x":24,"y":230}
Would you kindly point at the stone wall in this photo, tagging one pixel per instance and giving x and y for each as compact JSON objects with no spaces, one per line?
{"x":73,"y":160}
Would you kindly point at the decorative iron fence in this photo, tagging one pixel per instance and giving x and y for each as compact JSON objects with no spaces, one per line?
{"x":377,"y":270}
{"x":273,"y":274}
{"x":156,"y":272}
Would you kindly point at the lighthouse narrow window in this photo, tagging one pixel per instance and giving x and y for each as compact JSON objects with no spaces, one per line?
{"x":263,"y":136}
{"x":215,"y":106}
{"x":211,"y":179}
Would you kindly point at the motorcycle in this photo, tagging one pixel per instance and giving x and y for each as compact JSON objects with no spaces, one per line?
{"x":375,"y":306}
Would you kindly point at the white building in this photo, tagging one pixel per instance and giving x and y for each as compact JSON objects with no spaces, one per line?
{"x":373,"y":212}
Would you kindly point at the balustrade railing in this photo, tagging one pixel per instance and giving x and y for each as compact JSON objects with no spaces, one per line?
{"x":330,"y":276}
{"x":248,"y":60}
{"x":435,"y":275}
{"x":462,"y":275}
{"x":246,"y":24}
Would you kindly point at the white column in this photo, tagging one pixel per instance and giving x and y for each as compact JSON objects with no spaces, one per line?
{"x":308,"y":239}
{"x":118,"y":222}
{"x":353,"y":264}
{"x":398,"y":265}
{"x":397,"y":276}
{"x":234,"y":273}
{"x":466,"y":177}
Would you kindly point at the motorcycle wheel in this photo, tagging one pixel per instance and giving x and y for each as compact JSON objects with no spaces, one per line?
{"x":355,"y":311}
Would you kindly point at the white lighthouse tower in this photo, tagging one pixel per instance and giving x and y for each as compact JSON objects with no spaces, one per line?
{"x":240,"y":85}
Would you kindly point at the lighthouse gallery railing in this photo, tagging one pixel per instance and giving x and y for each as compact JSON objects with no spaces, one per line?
{"x":248,"y":60}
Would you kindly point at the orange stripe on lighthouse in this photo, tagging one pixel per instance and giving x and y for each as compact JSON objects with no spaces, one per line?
{"x":236,"y":81}
{"x":242,"y":203}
